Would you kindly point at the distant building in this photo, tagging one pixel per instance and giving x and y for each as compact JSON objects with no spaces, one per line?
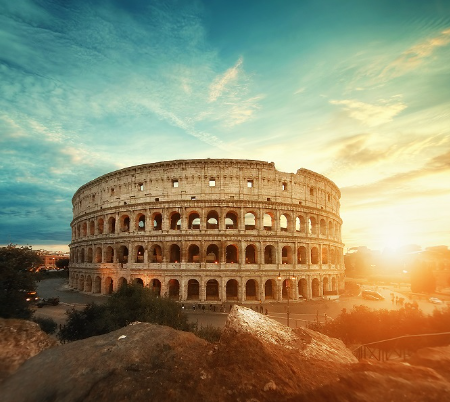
{"x":49,"y":258}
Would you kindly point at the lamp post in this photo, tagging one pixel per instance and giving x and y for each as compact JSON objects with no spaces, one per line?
{"x":288,"y":286}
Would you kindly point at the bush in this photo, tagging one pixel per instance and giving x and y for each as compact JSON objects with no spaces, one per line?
{"x":208,"y":333}
{"x":48,"y":325}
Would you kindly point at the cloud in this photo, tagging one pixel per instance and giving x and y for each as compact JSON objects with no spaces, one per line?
{"x":220,"y":83}
{"x":370,"y":114}
{"x":416,"y":55}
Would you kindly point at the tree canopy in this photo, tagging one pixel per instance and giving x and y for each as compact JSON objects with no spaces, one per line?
{"x":16,"y":279}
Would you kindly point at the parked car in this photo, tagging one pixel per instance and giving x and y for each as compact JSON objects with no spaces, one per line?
{"x":371,"y":295}
{"x":51,"y":301}
{"x":435,"y":300}
{"x":31,"y":296}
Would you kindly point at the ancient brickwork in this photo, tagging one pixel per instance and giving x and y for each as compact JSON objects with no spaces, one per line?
{"x":217,"y":230}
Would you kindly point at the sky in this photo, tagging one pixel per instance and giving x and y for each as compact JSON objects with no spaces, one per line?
{"x":358,"y":91}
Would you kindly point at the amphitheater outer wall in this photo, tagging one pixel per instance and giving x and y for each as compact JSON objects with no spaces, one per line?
{"x":209,"y":231}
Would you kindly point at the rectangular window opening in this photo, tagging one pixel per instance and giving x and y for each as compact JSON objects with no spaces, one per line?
{"x":156,"y":199}
{"x":175,"y":183}
{"x":212,"y":182}
{"x":249,"y":183}
{"x":193,"y":198}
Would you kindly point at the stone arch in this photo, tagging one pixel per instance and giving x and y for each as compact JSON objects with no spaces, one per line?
{"x":231,"y":254}
{"x":333,"y":284}
{"x":315,"y":287}
{"x":112,"y":225}
{"x":139,"y":254}
{"x":98,"y":255}
{"x":122,"y":281}
{"x":269,"y":255}
{"x":82,"y":256}
{"x":174,"y":289}
{"x":212,"y":254}
{"x":81,"y":283}
{"x":212,"y":220}
{"x":314,"y":255}
{"x":301,"y":255}
{"x":157,"y":221}
{"x":122,"y":254}
{"x":194,"y":221}
{"x":212,"y":289}
{"x":287,"y":289}
{"x":268,"y":221}
{"x":124,"y":223}
{"x":140,"y":222}
{"x":330,"y":230}
{"x":323,"y":227}
{"x":232,"y":290}
{"x":175,"y":253}
{"x":193,"y":290}
{"x":300,"y":224}
{"x":109,"y":285}
{"x":100,"y":226}
{"x":231,"y":220}
{"x":312,"y":225}
{"x":270,"y":289}
{"x":250,"y":254}
{"x":88,"y":284}
{"x":286,"y":255}
{"x":285,"y":222}
{"x":84,"y":229}
{"x":303,"y":288}
{"x":175,"y":221}
{"x":156,"y":254}
{"x":155,"y":286}
{"x":97,"y":285}
{"x":90,"y":257}
{"x":91,"y":228}
{"x":324,"y":255}
{"x":138,"y":281}
{"x":251,"y":288}
{"x":194,"y":253}
{"x":109,"y":255}
{"x":325,"y":284}
{"x":250,"y":221}
{"x":333,"y":256}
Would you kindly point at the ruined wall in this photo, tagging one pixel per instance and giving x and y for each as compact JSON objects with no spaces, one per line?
{"x":217,"y":230}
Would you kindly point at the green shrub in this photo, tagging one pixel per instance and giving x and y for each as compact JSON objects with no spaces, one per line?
{"x":48,"y":325}
{"x":208,"y":333}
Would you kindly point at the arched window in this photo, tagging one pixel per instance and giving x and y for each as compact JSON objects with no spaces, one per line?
{"x":330,"y":230}
{"x":124,"y":223}
{"x":250,"y":290}
{"x":300,"y":224}
{"x":286,"y":255}
{"x":315,"y":286}
{"x":194,"y":221}
{"x":157,"y":221}
{"x":231,"y":221}
{"x":174,"y":289}
{"x":212,"y":220}
{"x":193,"y":290}
{"x":140,"y":222}
{"x":100,"y":226}
{"x":232,"y":290}
{"x":269,"y":255}
{"x":212,"y":290}
{"x":283,"y":223}
{"x":231,"y":254}
{"x":175,"y":254}
{"x":111,"y":225}
{"x":302,"y":288}
{"x":323,"y":227}
{"x":267,"y":221}
{"x":269,"y":289}
{"x":312,"y":226}
{"x":324,"y":255}
{"x":301,"y":255}
{"x":92,"y":228}
{"x":250,"y":254}
{"x":139,"y":254}
{"x":175,"y":221}
{"x":98,"y":255}
{"x":194,"y":253}
{"x":89,"y":255}
{"x":314,"y":255}
{"x":212,"y":254}
{"x":109,"y":255}
{"x":250,"y":221}
{"x":156,"y":254}
{"x":123,"y":254}
{"x":84,"y":229}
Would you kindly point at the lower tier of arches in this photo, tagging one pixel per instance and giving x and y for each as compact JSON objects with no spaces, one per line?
{"x":214,"y":287}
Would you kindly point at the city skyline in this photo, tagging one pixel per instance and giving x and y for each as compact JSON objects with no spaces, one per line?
{"x":357,"y":92}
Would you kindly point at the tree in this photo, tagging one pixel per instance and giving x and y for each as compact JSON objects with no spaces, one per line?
{"x":16,"y":279}
{"x":63,"y":263}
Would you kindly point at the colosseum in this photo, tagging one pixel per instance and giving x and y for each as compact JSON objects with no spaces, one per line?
{"x":209,"y":230}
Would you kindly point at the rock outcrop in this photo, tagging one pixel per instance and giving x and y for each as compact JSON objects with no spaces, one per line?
{"x":257,"y":359}
{"x":20,"y":340}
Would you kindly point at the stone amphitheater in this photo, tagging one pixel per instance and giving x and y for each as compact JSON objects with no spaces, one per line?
{"x":209,"y":230}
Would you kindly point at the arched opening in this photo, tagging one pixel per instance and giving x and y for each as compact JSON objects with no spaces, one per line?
{"x":157,"y":222}
{"x":84,"y":229}
{"x":269,"y":289}
{"x":123,"y":254}
{"x":194,"y":253}
{"x":156,"y":254}
{"x":333,"y":256}
{"x":312,"y":226}
{"x":139,"y":255}
{"x":124,"y":223}
{"x":267,"y":221}
{"x":109,"y":255}
{"x":315,"y":285}
{"x":122,"y":282}
{"x":175,"y":221}
{"x":98,"y":255}
{"x":193,"y":290}
{"x":250,"y":290}
{"x":250,"y":221}
{"x":155,"y":286}
{"x":231,"y":254}
{"x":212,"y":254}
{"x":330,"y":230}
{"x":92,"y":228}
{"x":212,"y":220}
{"x":303,"y":288}
{"x":174,"y":289}
{"x":82,"y":256}
{"x":98,"y":285}
{"x":232,"y":290}
{"x":300,"y":224}
{"x":336,"y":231}
{"x":138,"y":281}
{"x":194,"y":221}
{"x":286,"y":255}
{"x":250,"y":254}
{"x":111,"y":225}
{"x":325,"y":285}
{"x":283,"y":223}
{"x":212,"y":290}
{"x":88,"y":285}
{"x":286,"y":290}
{"x":269,"y":255}
{"x":100,"y":226}
{"x":314,"y":255}
{"x":323,"y":227}
{"x":81,"y":283}
{"x":140,"y":223}
{"x":333,"y":284}
{"x":231,"y":221}
{"x":175,"y":253}
{"x":90,"y":255}
{"x":301,"y":255}
{"x":324,"y":255}
{"x":109,"y":285}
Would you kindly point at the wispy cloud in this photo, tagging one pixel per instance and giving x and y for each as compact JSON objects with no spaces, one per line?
{"x":371,"y":114}
{"x":219,"y":85}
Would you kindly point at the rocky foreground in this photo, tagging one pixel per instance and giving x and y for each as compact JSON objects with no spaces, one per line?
{"x":257,"y":359}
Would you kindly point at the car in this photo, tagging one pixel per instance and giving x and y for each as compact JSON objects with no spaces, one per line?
{"x":371,"y":295}
{"x":435,"y":300}
{"x":31,"y":296}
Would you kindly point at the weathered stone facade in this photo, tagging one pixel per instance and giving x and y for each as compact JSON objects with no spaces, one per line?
{"x":216,"y":230}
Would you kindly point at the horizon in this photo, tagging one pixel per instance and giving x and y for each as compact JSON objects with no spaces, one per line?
{"x":357,"y":92}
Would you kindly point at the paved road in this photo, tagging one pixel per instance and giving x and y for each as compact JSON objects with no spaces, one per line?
{"x":300,"y":312}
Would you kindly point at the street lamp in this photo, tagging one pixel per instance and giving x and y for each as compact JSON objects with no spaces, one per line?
{"x":288,"y":286}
